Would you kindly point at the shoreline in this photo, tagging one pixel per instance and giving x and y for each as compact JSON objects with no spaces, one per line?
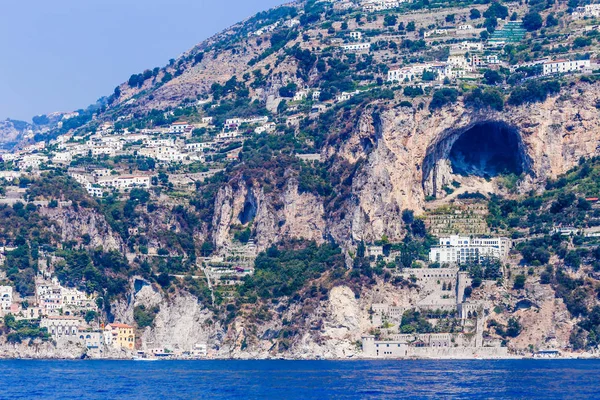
{"x":512,"y":358}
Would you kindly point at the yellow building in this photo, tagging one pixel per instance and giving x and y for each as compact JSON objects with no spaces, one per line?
{"x":120,"y":336}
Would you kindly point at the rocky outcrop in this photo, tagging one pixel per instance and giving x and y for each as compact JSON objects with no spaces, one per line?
{"x":73,"y":225}
{"x":409,"y":156}
{"x":288,"y":215}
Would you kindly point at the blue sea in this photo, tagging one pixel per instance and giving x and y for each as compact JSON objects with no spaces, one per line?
{"x":513,"y":379}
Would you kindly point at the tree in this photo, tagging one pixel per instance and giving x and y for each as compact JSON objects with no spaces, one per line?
{"x":289,"y":90}
{"x":490,"y":24}
{"x":475,"y":14}
{"x":442,"y":97}
{"x":581,"y":42}
{"x":450,"y":18}
{"x":429,"y":76}
{"x":520,"y":281}
{"x":282,"y":107}
{"x":90,"y":315}
{"x":532,"y":21}
{"x":496,"y":10}
{"x":408,"y":216}
{"x":410,"y":27}
{"x":390,"y":20}
{"x":492,"y":77}
{"x":514,"y":327}
{"x":551,"y":20}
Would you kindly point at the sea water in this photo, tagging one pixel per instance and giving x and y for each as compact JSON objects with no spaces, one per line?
{"x":508,"y":379}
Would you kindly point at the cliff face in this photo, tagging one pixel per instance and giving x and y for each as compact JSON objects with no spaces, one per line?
{"x":285,"y":215}
{"x":74,"y":224}
{"x":409,"y":158}
{"x":404,"y":156}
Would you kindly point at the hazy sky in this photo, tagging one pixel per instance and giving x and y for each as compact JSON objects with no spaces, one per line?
{"x":61,"y":55}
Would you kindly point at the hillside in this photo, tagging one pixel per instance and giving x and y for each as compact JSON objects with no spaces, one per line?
{"x":294,"y":187}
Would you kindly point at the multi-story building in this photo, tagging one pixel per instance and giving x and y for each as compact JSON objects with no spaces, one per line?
{"x":356,"y":47}
{"x":120,"y":336}
{"x":465,"y":250}
{"x":6,"y":297}
{"x":356,"y":35}
{"x":566,"y":66}
{"x":126,"y":182}
{"x":442,"y":70}
{"x":61,"y":326}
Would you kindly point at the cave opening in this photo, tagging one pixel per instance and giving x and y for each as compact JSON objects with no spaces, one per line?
{"x":487,"y":150}
{"x":249,"y":212}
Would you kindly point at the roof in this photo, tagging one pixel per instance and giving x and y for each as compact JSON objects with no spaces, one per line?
{"x":117,"y":325}
{"x":62,"y":317}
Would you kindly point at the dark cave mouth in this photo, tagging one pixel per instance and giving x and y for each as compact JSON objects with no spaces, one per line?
{"x":488,"y":149}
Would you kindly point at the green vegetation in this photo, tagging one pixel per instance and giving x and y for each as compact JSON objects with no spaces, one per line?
{"x":443,"y":97}
{"x":19,"y":331}
{"x":144,"y":317}
{"x":284,"y":270}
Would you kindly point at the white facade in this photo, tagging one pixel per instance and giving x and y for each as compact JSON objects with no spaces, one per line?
{"x":381,"y":5}
{"x":401,"y":75}
{"x":6,"y":297}
{"x":356,"y":47}
{"x":61,"y":327}
{"x":300,"y":95}
{"x":416,"y":71}
{"x":126,"y":182}
{"x":179,"y":127}
{"x":356,"y":35}
{"x":267,"y":128}
{"x":589,"y":11}
{"x":566,"y":66}
{"x":462,"y":250}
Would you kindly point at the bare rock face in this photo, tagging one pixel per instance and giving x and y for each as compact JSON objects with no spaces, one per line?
{"x":273,"y":217}
{"x":181,"y":323}
{"x":410,"y":152}
{"x":9,"y":134}
{"x":74,"y":224}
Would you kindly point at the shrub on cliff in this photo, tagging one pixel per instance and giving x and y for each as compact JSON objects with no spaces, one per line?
{"x":442,"y":97}
{"x":532,"y":92}
{"x":488,"y":98}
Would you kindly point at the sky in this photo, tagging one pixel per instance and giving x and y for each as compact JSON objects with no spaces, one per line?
{"x":63,"y":55}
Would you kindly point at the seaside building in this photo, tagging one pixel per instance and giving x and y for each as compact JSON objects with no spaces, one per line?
{"x":120,"y":336}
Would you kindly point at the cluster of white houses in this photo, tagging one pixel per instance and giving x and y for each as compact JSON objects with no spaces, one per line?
{"x":381,"y":5}
{"x":587,"y":11}
{"x":173,"y":144}
{"x":456,"y":250}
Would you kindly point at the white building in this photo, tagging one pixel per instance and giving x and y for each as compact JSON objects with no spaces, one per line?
{"x":33,"y":161}
{"x":464,"y":250}
{"x":234,"y":123}
{"x":566,"y":66}
{"x":465,"y":27}
{"x":179,"y":127}
{"x":126,"y":182}
{"x":61,"y":326}
{"x":356,"y":35}
{"x":356,"y":47}
{"x":442,"y":70}
{"x":589,"y":11}
{"x":401,"y":75}
{"x":6,"y":297}
{"x":266,"y":128}
{"x":300,"y":95}
{"x":381,"y":5}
